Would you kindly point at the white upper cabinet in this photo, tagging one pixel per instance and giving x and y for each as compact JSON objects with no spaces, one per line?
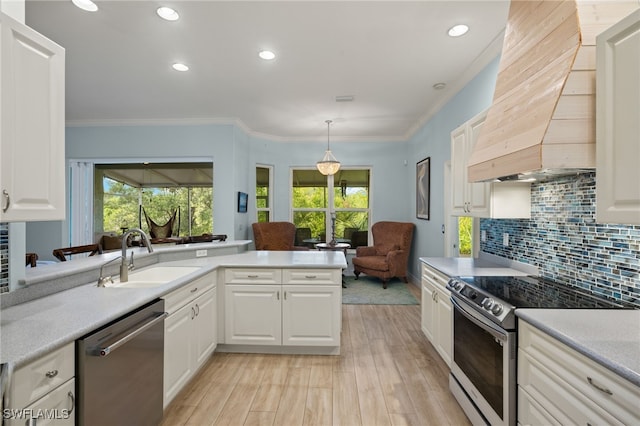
{"x":482,"y":199}
{"x":32,"y":92}
{"x":618,"y":122}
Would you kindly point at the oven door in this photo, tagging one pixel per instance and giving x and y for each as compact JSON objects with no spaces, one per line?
{"x":484,"y":363}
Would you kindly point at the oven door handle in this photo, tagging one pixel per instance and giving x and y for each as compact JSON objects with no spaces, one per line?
{"x":485,"y":325}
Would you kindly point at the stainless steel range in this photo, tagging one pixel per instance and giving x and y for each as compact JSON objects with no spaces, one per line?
{"x":483,"y":372}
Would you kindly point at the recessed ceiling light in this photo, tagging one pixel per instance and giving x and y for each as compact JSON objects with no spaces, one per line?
{"x":167,"y":13}
{"x":180,"y":67}
{"x":458,"y":30}
{"x":439,"y":86}
{"x":267,"y":55}
{"x":87,"y":5}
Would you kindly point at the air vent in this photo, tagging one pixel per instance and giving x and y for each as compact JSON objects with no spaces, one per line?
{"x":344,"y":98}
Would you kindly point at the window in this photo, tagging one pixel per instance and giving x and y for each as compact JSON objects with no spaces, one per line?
{"x":465,"y":236}
{"x":315,"y":197}
{"x":122,"y":190}
{"x":263,"y":193}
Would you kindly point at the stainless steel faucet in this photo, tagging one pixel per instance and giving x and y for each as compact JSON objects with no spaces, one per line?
{"x":124,"y":267}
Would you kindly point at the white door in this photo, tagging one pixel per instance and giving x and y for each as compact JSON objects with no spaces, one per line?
{"x":205,"y":326}
{"x":32,"y":125}
{"x":252,"y":314}
{"x":311,"y":315}
{"x":178,"y":351}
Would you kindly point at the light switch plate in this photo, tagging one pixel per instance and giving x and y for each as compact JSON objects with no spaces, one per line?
{"x":201,"y":253}
{"x":483,"y":235}
{"x":505,"y":239}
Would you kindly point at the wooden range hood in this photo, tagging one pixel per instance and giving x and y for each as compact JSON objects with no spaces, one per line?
{"x":542,"y":120}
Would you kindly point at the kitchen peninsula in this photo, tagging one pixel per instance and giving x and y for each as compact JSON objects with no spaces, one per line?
{"x":36,"y":327}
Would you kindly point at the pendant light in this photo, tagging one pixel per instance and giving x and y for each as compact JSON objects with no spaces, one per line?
{"x":328,"y":165}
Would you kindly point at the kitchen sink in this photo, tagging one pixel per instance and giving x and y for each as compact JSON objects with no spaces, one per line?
{"x":154,"y":276}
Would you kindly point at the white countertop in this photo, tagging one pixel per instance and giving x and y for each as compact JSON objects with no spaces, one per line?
{"x":31,"y":329}
{"x":486,"y":265}
{"x":609,"y":337}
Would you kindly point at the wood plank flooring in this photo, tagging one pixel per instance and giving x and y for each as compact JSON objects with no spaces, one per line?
{"x":387,"y":374}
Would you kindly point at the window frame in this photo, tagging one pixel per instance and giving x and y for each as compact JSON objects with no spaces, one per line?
{"x":331,"y":208}
{"x":268,"y":209}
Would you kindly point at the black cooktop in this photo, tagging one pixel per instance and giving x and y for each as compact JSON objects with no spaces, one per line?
{"x":535,"y":292}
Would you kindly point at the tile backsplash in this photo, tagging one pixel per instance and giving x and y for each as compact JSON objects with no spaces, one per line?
{"x":564,"y":241}
{"x":4,"y":257}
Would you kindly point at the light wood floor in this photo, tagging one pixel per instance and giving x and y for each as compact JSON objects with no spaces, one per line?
{"x":387,"y":374}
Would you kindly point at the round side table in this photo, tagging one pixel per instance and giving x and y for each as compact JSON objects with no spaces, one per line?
{"x":337,"y":247}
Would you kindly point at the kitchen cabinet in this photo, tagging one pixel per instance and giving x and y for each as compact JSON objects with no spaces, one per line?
{"x":32,"y":89}
{"x":558,"y":385}
{"x":283,"y":307}
{"x":437,"y":312}
{"x":44,"y":389}
{"x":482,"y":199}
{"x":190,"y":333}
{"x":618,"y":122}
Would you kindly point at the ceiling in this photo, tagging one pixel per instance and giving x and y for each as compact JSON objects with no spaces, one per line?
{"x":386,"y":54}
{"x":159,"y":175}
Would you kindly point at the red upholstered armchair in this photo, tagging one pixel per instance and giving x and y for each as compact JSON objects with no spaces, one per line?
{"x":275,"y":236}
{"x":389,"y":255}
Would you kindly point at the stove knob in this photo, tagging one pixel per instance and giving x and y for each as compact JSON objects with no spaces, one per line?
{"x":473,"y":295}
{"x":497,"y":309}
{"x":487,"y":304}
{"x":457,"y":285}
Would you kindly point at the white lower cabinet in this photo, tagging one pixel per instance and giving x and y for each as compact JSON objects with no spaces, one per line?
{"x":44,"y":390}
{"x":437,"y":313}
{"x":190,"y":333}
{"x":283,"y":307}
{"x":252,"y":314}
{"x":558,"y":385}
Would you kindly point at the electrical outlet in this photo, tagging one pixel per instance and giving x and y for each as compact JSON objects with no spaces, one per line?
{"x":505,"y":239}
{"x":201,"y":253}
{"x":483,"y":235}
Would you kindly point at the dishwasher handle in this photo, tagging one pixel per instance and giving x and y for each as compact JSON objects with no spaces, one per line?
{"x":130,"y":335}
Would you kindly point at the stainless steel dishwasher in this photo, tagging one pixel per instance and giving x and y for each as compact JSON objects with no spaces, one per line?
{"x":120,"y":368}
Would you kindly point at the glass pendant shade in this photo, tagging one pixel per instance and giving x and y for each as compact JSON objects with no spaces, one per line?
{"x":328,"y":165}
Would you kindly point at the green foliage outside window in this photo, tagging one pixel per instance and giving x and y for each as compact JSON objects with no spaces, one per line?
{"x":121,"y":207}
{"x":465,"y":232}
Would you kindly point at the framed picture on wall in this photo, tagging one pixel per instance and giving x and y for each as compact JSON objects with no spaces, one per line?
{"x":243,"y":197}
{"x":423,"y":188}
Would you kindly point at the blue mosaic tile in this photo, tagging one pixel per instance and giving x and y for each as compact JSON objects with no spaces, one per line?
{"x":564,"y":241}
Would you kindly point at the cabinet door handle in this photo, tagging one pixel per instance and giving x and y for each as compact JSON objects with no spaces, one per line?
{"x":197,"y":309}
{"x":277,"y":295}
{"x":601,"y":389}
{"x":285,"y":295}
{"x":51,"y":373}
{"x":7,"y":200}
{"x":73,"y":402}
{"x":193,"y":312}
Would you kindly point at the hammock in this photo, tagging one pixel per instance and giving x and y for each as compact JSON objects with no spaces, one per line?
{"x":160,"y":231}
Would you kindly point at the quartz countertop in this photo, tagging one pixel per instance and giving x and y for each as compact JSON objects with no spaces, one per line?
{"x":609,"y":337}
{"x":485,"y":265}
{"x":31,"y":329}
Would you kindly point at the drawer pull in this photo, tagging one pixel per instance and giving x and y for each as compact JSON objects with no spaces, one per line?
{"x":252,"y":276}
{"x":193,"y":290}
{"x":73,"y":402}
{"x":7,"y":200}
{"x":601,"y":389}
{"x":51,"y":373}
{"x":311,"y":276}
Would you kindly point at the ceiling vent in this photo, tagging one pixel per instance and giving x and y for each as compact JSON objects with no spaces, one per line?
{"x":344,"y":98}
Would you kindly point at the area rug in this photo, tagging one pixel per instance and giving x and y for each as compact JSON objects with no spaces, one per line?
{"x":368,"y":291}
